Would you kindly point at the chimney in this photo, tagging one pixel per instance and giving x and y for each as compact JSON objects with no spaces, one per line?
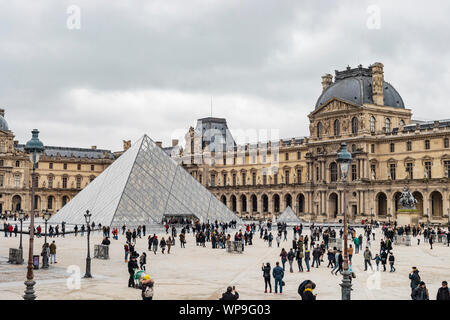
{"x":94,"y":147}
{"x":174,"y":142}
{"x":126,"y":144}
{"x":159,"y":144}
{"x":327,"y":80}
{"x":2,"y":112}
{"x":377,"y":83}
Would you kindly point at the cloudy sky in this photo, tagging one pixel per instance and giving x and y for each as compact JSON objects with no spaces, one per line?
{"x":125,"y":68}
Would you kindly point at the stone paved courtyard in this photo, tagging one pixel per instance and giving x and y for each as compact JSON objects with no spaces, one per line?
{"x":204,"y":273}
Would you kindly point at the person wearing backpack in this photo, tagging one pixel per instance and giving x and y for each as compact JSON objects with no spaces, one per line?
{"x":147,"y":288}
{"x":290,"y":257}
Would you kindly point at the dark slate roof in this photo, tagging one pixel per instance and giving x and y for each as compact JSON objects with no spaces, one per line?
{"x":426,"y":125}
{"x":355,"y":86}
{"x":3,"y":124}
{"x":66,"y":152}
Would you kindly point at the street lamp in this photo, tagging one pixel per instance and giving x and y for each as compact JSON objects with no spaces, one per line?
{"x":33,"y":147}
{"x":47,"y":216}
{"x":87,"y":216}
{"x":344,"y":158}
{"x":21,"y":217}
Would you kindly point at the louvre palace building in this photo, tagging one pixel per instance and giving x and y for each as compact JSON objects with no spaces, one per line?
{"x":389,"y":150}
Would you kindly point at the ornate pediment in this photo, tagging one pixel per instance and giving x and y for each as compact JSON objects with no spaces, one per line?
{"x":335,"y":105}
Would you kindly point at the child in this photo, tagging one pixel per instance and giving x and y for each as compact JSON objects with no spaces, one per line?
{"x":377,"y":261}
{"x":127,"y":251}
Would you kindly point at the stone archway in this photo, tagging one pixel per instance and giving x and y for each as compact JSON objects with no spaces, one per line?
{"x":254,"y":203}
{"x":419,"y":205}
{"x":436,"y":204}
{"x":243,"y":203}
{"x":381,"y":201}
{"x":223,"y":199}
{"x":288,"y":200}
{"x":233,"y":203}
{"x":276,"y":203}
{"x":333,"y":205}
{"x":265,"y":203}
{"x":300,"y":203}
{"x":16,"y":203}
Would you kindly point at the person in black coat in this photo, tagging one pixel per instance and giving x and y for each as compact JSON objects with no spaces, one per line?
{"x":443,"y":292}
{"x":308,"y":292}
{"x":266,"y":274}
{"x":132,"y":265}
{"x":229,"y":295}
{"x":420,"y":293}
{"x":415,"y":278}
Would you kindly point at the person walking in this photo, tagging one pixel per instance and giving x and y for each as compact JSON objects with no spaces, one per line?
{"x":377,"y":261}
{"x":367,"y":259}
{"x":430,"y":240}
{"x":169,"y":244}
{"x":415,"y":278}
{"x":443,"y":292}
{"x":126,"y":248}
{"x":270,"y":239}
{"x":421,"y":292}
{"x":291,"y":256}
{"x":162,"y":244}
{"x":182,"y":240}
{"x":391,"y":262}
{"x":307,"y":258}
{"x":316,"y":256}
{"x":283,"y":256}
{"x":143,"y":261}
{"x":53,"y":252}
{"x":384,"y":258}
{"x":155,"y":244}
{"x":278,"y":274}
{"x":350,"y":253}
{"x":278,"y":240}
{"x":132,"y":266}
{"x":299,"y":256}
{"x":266,"y":275}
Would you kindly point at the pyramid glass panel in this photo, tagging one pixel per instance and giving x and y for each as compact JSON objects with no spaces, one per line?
{"x":288,"y":216}
{"x":142,"y":187}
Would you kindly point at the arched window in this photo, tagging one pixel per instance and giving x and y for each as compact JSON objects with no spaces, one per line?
{"x":402,"y":123}
{"x":354,"y":125}
{"x":333,"y":171}
{"x":319,"y":130}
{"x":372,"y":124}
{"x":337,"y":127}
{"x":387,"y":125}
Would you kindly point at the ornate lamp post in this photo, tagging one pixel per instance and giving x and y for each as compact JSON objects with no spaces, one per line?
{"x":45,"y":257}
{"x":87,"y":216}
{"x":34,"y":147}
{"x":21,"y":218}
{"x":344,"y":158}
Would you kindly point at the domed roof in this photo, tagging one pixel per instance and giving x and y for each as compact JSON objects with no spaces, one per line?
{"x":355,"y":86}
{"x":3,"y":124}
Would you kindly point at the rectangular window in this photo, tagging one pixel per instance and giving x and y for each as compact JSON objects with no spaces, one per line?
{"x":1,"y":163}
{"x":275,"y":157}
{"x":36,"y":181}
{"x":37,"y":165}
{"x":244,"y":177}
{"x":447,"y":168}
{"x":446,"y":143}
{"x":299,"y":176}
{"x":78,"y":182}
{"x":64,"y":182}
{"x":265,"y":178}
{"x":354,"y":173}
{"x":50,"y":165}
{"x":428,"y":169}
{"x":286,"y":156}
{"x":254,"y":178}
{"x":275,"y":178}
{"x":224,"y":179}
{"x":1,"y":180}
{"x":213,"y":180}
{"x":17,"y":164}
{"x":16,"y":181}
{"x":392,"y":147}
{"x":427,"y":144}
{"x":50,"y":182}
{"x":372,"y":148}
{"x":65,"y":166}
{"x":253,"y":159}
{"x":392,"y":171}
{"x":408,"y":146}
{"x":234,"y":179}
{"x":317,"y":174}
{"x":373,"y":170}
{"x":286,"y":177}
{"x":299,"y":155}
{"x":409,"y":170}
{"x":264,"y":159}
{"x":78,"y":166}
{"x":200,"y":178}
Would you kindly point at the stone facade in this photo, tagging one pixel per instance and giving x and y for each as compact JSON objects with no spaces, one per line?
{"x":389,"y":149}
{"x":61,"y":173}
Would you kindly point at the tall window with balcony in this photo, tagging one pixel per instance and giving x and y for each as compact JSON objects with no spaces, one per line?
{"x":392,"y":168}
{"x":64,"y":182}
{"x":299,"y":176}
{"x":213,"y":180}
{"x":224,"y":179}
{"x":234,"y":179}
{"x":244,"y":178}
{"x":427,"y":144}
{"x":319,"y":130}
{"x":254,"y":178}
{"x":1,"y":180}
{"x":428,"y":169}
{"x":409,"y":171}
{"x":387,"y":125}
{"x":264,"y":178}
{"x":275,"y":178}
{"x":354,"y":125}
{"x":333,"y":172}
{"x":409,"y":146}
{"x":78,"y":182}
{"x":354,"y":172}
{"x":447,"y":168}
{"x":372,"y":124}
{"x":16,"y":181}
{"x":286,"y":176}
{"x":50,"y":182}
{"x":446,"y":143}
{"x":337,"y":128}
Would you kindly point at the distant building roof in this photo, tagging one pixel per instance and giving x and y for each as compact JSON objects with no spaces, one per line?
{"x":67,"y":152}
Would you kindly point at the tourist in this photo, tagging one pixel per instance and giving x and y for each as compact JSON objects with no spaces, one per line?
{"x":182,"y":241}
{"x":391,"y":262}
{"x":147,"y":288}
{"x":162,"y":244}
{"x":127,"y":251}
{"x":331,"y":258}
{"x":229,"y":295}
{"x":278,"y":240}
{"x":15,"y":230}
{"x":142,"y":261}
{"x":106,"y":241}
{"x":143,"y":230}
{"x":75,"y":229}
{"x":384,"y":258}
{"x":307,"y":258}
{"x":367,"y":258}
{"x":278,"y":274}
{"x":302,"y":287}
{"x":420,"y":292}
{"x":339,"y":262}
{"x":132,"y":266}
{"x":415,"y":278}
{"x":270,"y":239}
{"x":283,"y":256}
{"x":308,"y":293}
{"x":377,"y":261}
{"x":169,"y":244}
{"x":291,"y":256}
{"x":356,"y":242}
{"x":150,"y":242}
{"x":316,"y":256}
{"x":350,"y":253}
{"x":266,"y":275}
{"x":10,"y":229}
{"x":443,"y":292}
{"x":53,"y":252}
{"x":155,"y":244}
{"x":299,"y":257}
{"x":430,"y":240}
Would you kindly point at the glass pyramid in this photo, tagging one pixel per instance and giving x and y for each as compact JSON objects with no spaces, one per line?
{"x":288,"y":216}
{"x":142,"y":186}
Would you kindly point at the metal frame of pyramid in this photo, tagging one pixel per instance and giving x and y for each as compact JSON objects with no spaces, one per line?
{"x":288,"y":216}
{"x":141,"y":187}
